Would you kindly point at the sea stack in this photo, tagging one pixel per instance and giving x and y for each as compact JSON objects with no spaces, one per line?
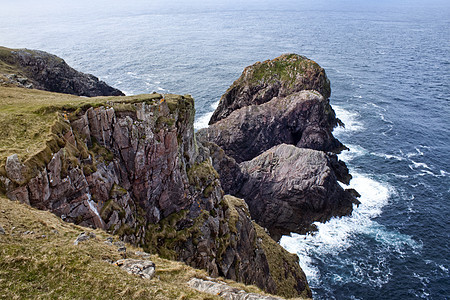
{"x":272,"y":144}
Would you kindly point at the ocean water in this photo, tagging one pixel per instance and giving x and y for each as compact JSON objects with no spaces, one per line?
{"x":389,"y":65}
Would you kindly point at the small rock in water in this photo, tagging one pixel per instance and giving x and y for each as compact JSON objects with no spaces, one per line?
{"x":143,"y":268}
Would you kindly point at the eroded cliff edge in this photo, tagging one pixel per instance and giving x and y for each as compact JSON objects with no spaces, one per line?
{"x":132,"y":166}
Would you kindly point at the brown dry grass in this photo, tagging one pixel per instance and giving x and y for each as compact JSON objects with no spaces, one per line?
{"x":46,"y":264}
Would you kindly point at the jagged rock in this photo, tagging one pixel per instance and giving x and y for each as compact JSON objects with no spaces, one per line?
{"x":225,"y":291}
{"x":231,"y":177}
{"x":14,"y":169}
{"x":288,"y":188}
{"x":84,"y":237}
{"x":304,"y":119}
{"x":44,"y":71}
{"x":143,"y":268}
{"x":280,"y":77}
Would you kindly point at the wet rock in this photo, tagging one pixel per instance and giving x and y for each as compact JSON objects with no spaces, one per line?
{"x":143,"y":268}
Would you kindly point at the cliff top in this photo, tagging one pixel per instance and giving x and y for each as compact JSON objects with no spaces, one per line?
{"x":28,"y":115}
{"x":279,"y":77}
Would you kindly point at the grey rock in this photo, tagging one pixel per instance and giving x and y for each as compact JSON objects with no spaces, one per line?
{"x":225,"y":291}
{"x":2,"y":230}
{"x":48,"y":72}
{"x":143,"y":268}
{"x":144,"y":255}
{"x":84,"y":237}
{"x":14,"y":169}
{"x":119,"y":244}
{"x":288,"y":188}
{"x":304,"y":119}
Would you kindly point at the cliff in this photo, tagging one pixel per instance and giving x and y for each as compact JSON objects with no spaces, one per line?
{"x":132,"y":166}
{"x":271,"y":142}
{"x":44,"y":71}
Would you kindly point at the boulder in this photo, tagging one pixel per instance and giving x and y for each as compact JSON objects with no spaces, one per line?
{"x":304,"y":119}
{"x":143,"y":268}
{"x":225,"y":291}
{"x":280,"y":77}
{"x":82,"y":237}
{"x":288,"y":188}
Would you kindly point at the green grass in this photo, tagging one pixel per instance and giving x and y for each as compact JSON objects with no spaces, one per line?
{"x":284,"y":68}
{"x":27,"y":116}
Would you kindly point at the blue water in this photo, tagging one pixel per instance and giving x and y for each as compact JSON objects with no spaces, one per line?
{"x":389,"y":65}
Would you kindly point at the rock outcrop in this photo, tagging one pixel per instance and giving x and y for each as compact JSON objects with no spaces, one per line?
{"x":142,"y":268}
{"x":225,"y":291}
{"x":304,"y":119}
{"x":288,"y":188}
{"x":280,"y":77}
{"x":133,"y":167}
{"x":271,"y":142}
{"x":44,"y":71}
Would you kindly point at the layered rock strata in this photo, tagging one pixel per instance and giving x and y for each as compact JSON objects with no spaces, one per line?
{"x":44,"y":71}
{"x":134,"y":168}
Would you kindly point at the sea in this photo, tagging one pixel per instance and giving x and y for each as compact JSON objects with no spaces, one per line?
{"x":389,"y":66}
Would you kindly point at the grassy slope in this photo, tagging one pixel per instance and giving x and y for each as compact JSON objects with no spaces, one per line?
{"x":46,"y":264}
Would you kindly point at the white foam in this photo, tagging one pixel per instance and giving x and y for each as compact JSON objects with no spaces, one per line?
{"x":336,"y":235}
{"x":203,"y":120}
{"x":350,"y":120}
{"x":388,"y":156}
{"x":416,"y":165}
{"x":354,"y":151}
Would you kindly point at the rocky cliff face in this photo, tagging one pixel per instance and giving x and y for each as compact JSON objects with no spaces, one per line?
{"x":135,"y":169}
{"x":271,"y":142}
{"x":304,"y":119}
{"x":280,"y":77}
{"x":44,"y":71}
